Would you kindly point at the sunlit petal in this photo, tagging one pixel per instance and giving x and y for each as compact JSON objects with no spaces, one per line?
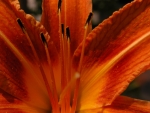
{"x":9,"y":104}
{"x":116,"y":52}
{"x":123,"y":105}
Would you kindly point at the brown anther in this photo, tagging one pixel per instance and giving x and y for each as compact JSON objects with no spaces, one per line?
{"x":68,"y":32}
{"x":59,"y":4}
{"x":62,"y":29}
{"x":21,"y":24}
{"x":43,"y":39}
{"x":89,"y":18}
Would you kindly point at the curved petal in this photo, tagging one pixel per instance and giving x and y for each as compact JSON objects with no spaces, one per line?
{"x":74,"y":14}
{"x":123,"y":105}
{"x":116,"y":52}
{"x":9,"y":104}
{"x":23,"y":57}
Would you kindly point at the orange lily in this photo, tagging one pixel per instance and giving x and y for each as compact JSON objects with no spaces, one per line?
{"x":59,"y":65}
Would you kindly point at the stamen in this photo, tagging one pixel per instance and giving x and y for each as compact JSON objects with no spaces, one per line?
{"x":59,"y":4}
{"x":43,"y":39}
{"x":68,"y":69}
{"x":62,"y":59}
{"x":64,"y":63}
{"x":83,"y":47}
{"x":83,"y":44}
{"x":21,"y":25}
{"x":62,"y":29}
{"x":68,"y":32}
{"x":54,"y":104}
{"x":64,"y":77}
{"x":50,"y":69}
{"x":80,"y":65}
{"x":68,"y":54}
{"x":89,"y":19}
{"x":61,"y":46}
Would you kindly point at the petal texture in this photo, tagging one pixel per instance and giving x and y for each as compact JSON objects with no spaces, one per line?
{"x":74,"y":14}
{"x":23,"y":56}
{"x":123,"y":105}
{"x":9,"y":104}
{"x":115,"y":53}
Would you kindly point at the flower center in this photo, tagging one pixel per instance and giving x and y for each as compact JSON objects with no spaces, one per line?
{"x":67,"y":100}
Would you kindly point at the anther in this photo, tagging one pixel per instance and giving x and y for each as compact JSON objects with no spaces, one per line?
{"x":59,"y":4}
{"x":62,"y":29}
{"x":43,"y":39}
{"x":89,"y":18}
{"x":21,"y":24}
{"x":68,"y":32}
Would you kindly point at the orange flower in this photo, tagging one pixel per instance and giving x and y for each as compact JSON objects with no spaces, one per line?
{"x":59,"y":65}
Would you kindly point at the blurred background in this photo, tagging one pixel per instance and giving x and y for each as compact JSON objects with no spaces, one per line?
{"x":102,"y":9}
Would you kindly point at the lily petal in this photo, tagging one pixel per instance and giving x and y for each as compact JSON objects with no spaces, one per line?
{"x":9,"y":104}
{"x":22,"y":55}
{"x":123,"y":105}
{"x":115,"y":53}
{"x":74,"y":14}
